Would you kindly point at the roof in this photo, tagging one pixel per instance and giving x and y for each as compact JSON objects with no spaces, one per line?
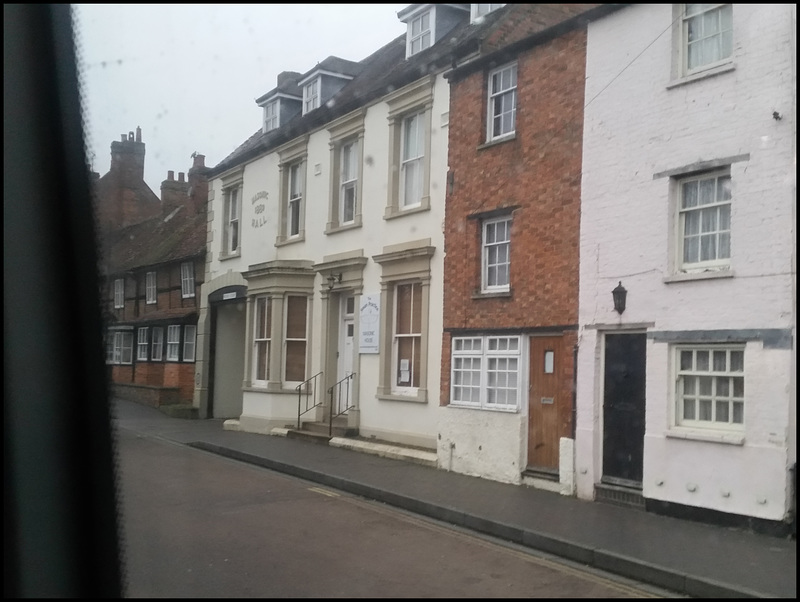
{"x":287,"y":86}
{"x":160,"y":240}
{"x":382,"y":72}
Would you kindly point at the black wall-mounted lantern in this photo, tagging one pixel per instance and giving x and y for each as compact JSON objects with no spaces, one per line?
{"x":620,"y":294}
{"x":333,"y":279}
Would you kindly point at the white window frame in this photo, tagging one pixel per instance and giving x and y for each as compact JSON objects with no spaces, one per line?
{"x":233,"y":231}
{"x":262,"y":338}
{"x":173,"y":342}
{"x":476,"y":361}
{"x":189,"y":342}
{"x":122,"y":347}
{"x":271,"y":115}
{"x":349,"y":169}
{"x":495,"y":255}
{"x":287,"y":339}
{"x":704,"y":223}
{"x":710,"y":387}
{"x":501,"y":119}
{"x":311,"y":92}
{"x":187,"y":279}
{"x":157,"y":344}
{"x":119,"y":293}
{"x":141,"y":344}
{"x":294,"y":199}
{"x":150,"y":287}
{"x":412,"y":159}
{"x":479,"y":10}
{"x":397,"y":387}
{"x":721,"y":38}
{"x":420,"y":36}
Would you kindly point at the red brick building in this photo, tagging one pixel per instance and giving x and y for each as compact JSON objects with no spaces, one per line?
{"x":512,"y":232}
{"x":152,"y":264}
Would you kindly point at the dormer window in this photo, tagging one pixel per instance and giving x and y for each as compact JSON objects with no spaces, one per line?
{"x":478,"y":10}
{"x":420,"y":33}
{"x":311,"y":96}
{"x":271,"y":116}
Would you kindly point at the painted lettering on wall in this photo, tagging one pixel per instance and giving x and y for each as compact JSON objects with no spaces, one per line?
{"x":259,"y":202}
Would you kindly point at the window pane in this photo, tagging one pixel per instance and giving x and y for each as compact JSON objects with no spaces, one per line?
{"x":689,"y":385}
{"x":723,"y":387}
{"x":688,"y":409}
{"x":722,"y":411}
{"x":262,"y":360}
{"x":686,"y":360}
{"x":738,"y":386}
{"x":738,"y":412}
{"x":403,"y":325}
{"x":705,"y":384}
{"x":720,"y":361}
{"x":296,"y":318}
{"x":702,"y":361}
{"x":737,"y":361}
{"x":689,"y":195}
{"x":295,"y":360}
{"x":705,"y":409}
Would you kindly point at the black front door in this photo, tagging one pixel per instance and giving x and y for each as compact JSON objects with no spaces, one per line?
{"x":623,"y":408}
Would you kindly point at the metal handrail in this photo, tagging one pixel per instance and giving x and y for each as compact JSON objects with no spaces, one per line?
{"x":335,"y":409}
{"x":310,"y":392}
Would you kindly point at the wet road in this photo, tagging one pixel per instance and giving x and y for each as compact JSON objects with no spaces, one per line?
{"x":198,"y":525}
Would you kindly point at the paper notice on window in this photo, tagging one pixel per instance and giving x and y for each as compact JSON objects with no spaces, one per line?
{"x":405,"y":376}
{"x":404,"y":365}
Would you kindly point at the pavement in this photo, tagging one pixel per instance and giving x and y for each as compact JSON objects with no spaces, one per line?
{"x":685,"y":557}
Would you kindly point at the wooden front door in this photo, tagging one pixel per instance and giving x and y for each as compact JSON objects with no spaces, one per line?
{"x":547,"y":402}
{"x":623,"y":408}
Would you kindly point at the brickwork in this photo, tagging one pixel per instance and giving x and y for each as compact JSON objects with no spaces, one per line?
{"x":538,"y":173}
{"x":528,"y":19}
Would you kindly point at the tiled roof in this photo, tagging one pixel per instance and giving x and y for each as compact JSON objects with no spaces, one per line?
{"x":155,"y":241}
{"x":172,"y":314}
{"x":382,"y":72}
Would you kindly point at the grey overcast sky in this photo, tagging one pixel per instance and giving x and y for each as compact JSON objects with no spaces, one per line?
{"x":188,"y":75}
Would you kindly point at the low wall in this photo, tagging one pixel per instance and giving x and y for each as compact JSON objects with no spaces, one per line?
{"x":148,"y":394}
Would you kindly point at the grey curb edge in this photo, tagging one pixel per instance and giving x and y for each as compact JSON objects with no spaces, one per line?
{"x":618,"y":564}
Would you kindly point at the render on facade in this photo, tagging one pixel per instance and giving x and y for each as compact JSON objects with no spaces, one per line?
{"x":686,"y":396}
{"x":323,"y":289}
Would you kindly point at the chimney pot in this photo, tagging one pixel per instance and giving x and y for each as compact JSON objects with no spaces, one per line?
{"x":138,"y":134}
{"x":123,"y":138}
{"x":199,"y":161}
{"x":180,"y":176}
{"x":130,"y":136}
{"x":170,"y":175}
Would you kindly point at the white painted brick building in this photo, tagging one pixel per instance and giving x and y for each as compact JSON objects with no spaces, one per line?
{"x":688,"y":201}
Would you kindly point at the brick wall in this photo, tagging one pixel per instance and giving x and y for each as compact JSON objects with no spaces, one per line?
{"x":539,"y":173}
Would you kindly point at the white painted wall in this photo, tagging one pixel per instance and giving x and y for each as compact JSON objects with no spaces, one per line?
{"x":405,"y":422}
{"x":635,"y":127}
{"x":483,"y":443}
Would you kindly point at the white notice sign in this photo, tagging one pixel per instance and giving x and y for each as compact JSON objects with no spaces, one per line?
{"x":369,"y":324}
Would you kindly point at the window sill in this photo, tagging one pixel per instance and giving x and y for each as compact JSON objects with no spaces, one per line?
{"x":496,"y":141}
{"x":334,"y":228}
{"x":497,"y":295}
{"x":710,"y":72}
{"x":710,"y":274}
{"x":271,"y":389}
{"x":282,"y":241}
{"x":464,"y":406}
{"x":224,"y":256}
{"x":421,"y":396}
{"x":393,"y":212}
{"x":729,"y":438}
